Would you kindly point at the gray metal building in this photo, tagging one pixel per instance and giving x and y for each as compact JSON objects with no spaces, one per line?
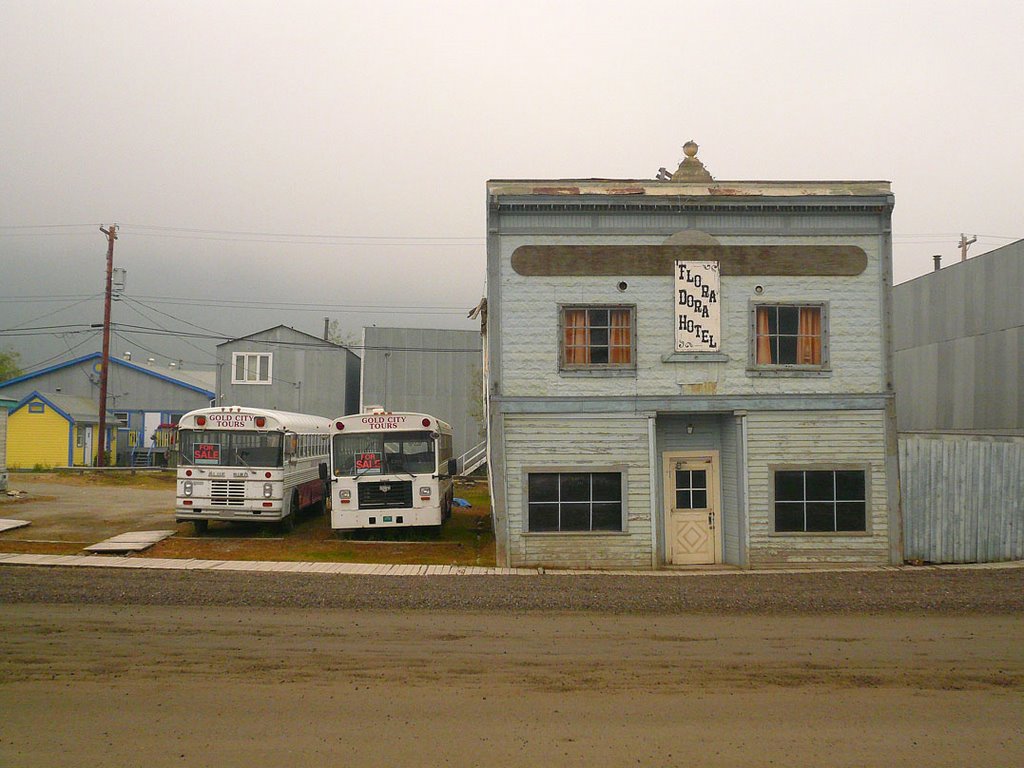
{"x":958,"y":336}
{"x":288,"y":370}
{"x":685,"y":370}
{"x":140,"y":397}
{"x":427,"y":371}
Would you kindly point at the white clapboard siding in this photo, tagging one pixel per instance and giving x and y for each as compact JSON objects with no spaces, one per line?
{"x":579,"y":444}
{"x":963,"y":499}
{"x":816,"y":439}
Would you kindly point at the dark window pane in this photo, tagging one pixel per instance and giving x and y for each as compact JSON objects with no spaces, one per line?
{"x":607,"y":486}
{"x":787,"y":350}
{"x":821,"y":516}
{"x":700,"y":499}
{"x":789,"y":320}
{"x":543,"y":517}
{"x":575,"y":486}
{"x":789,"y":516}
{"x":598,"y":318}
{"x":543,"y":486}
{"x":599,"y":337}
{"x":819,"y":486}
{"x":773,"y":320}
{"x":700,"y":479}
{"x":684,"y":499}
{"x":599,"y":355}
{"x":850,"y":486}
{"x":789,"y":486}
{"x":608,"y":517}
{"x":682,"y":478}
{"x":576,"y":517}
{"x":851,"y":516}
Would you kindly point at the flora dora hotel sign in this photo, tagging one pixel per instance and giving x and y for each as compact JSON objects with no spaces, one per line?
{"x":698,"y":312}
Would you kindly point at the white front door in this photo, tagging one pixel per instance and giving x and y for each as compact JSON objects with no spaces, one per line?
{"x":87,"y":455}
{"x":692,"y":508}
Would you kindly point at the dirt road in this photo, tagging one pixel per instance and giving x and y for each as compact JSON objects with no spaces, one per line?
{"x":121,"y":681}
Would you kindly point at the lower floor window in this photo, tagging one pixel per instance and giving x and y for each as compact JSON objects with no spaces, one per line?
{"x":813,"y":501}
{"x":574,"y":501}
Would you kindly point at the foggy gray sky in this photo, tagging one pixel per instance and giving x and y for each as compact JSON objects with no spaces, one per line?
{"x":374,"y":126}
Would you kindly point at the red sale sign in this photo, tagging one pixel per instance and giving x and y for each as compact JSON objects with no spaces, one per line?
{"x":206,"y":453}
{"x":367,"y":462}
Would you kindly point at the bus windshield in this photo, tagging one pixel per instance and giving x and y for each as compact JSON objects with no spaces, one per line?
{"x":226,"y":448}
{"x":374,"y":453}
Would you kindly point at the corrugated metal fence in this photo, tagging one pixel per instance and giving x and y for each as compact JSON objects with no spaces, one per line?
{"x":963,"y":499}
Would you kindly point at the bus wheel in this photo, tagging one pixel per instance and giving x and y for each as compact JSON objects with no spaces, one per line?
{"x":288,"y":522}
{"x":200,"y":526}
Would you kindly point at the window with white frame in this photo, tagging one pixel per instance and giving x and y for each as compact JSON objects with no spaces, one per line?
{"x":574,"y":501}
{"x":251,"y":367}
{"x":789,"y":335}
{"x":597,"y":337}
{"x":820,"y":500}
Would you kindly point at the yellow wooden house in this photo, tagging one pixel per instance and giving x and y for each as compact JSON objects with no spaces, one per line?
{"x":48,"y":429}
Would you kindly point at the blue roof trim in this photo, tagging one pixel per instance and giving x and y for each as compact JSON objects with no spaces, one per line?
{"x":115,"y":361}
{"x":36,"y":395}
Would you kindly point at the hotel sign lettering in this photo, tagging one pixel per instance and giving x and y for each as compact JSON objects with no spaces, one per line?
{"x":698,"y":317}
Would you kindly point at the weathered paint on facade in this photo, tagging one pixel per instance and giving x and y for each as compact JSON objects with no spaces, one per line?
{"x":746,"y":420}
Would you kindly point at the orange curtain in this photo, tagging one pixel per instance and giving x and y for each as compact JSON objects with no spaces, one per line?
{"x":764,"y":342}
{"x":809,"y":341}
{"x":577,"y":342}
{"x":620,"y":338}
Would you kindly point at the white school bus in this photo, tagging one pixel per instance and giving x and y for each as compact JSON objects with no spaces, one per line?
{"x":238,"y":464}
{"x":390,"y":470}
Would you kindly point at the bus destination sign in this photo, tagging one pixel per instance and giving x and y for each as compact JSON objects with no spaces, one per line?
{"x":383,"y":421}
{"x":206,"y":453}
{"x":230,"y":420}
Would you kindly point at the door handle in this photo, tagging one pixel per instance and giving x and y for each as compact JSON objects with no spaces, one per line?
{"x":711,"y":520}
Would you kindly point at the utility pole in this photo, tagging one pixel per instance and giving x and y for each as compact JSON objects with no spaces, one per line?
{"x":964,"y":244}
{"x":111,"y":234}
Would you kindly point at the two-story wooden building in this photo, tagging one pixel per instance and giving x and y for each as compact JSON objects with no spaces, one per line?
{"x":690,"y":371}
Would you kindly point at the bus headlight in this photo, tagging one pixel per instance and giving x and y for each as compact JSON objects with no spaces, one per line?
{"x":425,"y":492}
{"x":344,"y":496}
{"x":186,"y":487}
{"x":268,"y":490}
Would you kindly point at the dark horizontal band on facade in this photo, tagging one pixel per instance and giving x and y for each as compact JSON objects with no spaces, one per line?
{"x":689,"y":404}
{"x":735,"y":260}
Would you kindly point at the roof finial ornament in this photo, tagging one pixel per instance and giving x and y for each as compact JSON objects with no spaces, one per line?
{"x":691,"y":169}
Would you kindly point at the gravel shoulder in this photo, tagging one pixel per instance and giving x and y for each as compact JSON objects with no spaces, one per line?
{"x":936,"y":592}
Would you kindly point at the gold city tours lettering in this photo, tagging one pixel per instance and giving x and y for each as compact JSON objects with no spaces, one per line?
{"x":383,"y":422}
{"x":230,"y":420}
{"x":698,"y":316}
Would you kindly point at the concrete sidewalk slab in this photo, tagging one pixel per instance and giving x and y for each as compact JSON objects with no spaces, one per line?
{"x":132,"y":541}
{"x":10,"y":525}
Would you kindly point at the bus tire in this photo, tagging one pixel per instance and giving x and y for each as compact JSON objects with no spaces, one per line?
{"x":200,"y":526}
{"x":288,"y":521}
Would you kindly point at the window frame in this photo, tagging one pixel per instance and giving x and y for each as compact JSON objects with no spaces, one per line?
{"x":247,"y":355}
{"x":789,"y":369}
{"x":620,"y":469}
{"x":820,"y":467}
{"x":597,"y":369}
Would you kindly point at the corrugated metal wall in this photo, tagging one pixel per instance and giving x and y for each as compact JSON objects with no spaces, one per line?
{"x":963,"y":499}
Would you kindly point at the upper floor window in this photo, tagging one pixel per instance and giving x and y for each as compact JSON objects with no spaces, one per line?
{"x":251,"y":367}
{"x":598,"y":337}
{"x":790,"y":335}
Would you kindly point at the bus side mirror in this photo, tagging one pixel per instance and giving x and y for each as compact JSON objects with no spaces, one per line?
{"x":324,"y":476}
{"x":453,"y":467}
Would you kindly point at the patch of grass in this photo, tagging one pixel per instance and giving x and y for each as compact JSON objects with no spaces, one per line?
{"x":153,"y":480}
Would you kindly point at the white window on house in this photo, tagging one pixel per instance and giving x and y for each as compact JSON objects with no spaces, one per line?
{"x":574,"y":501}
{"x":251,"y":367}
{"x":820,"y":501}
{"x":597,"y":337}
{"x":121,"y":417}
{"x":789,"y":336}
{"x":80,"y":437}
